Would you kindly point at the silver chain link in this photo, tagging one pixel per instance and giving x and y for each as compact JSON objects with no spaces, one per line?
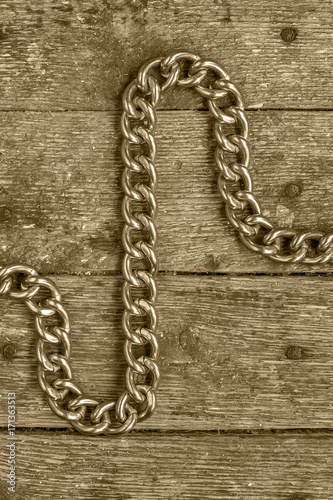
{"x":139,"y":321}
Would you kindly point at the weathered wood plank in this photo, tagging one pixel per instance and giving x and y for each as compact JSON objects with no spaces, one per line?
{"x":80,"y":55}
{"x":236,"y":353}
{"x":61,"y":197}
{"x":287,"y":466}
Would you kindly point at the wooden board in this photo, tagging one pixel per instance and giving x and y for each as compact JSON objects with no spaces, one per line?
{"x":163,"y":466}
{"x":80,"y":55}
{"x":236,"y":353}
{"x":245,"y":343}
{"x":61,"y":196}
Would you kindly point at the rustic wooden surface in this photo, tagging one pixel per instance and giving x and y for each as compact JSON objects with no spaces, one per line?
{"x":143,"y":466}
{"x":236,"y":353}
{"x":244,"y":408}
{"x":61,"y":196}
{"x":79,"y":55}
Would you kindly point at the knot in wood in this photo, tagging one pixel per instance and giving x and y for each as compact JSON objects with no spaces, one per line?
{"x":289,"y":34}
{"x":294,"y":352}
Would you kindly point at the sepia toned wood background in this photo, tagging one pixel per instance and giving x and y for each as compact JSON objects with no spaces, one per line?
{"x":245,"y":407}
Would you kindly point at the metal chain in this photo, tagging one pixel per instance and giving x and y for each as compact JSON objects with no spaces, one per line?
{"x":139,"y":321}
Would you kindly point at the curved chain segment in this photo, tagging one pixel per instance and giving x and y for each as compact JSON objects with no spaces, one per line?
{"x":140,"y":266}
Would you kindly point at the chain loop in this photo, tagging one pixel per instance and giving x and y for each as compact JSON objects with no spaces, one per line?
{"x":137,"y":402}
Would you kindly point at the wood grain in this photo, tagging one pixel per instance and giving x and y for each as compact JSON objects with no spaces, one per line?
{"x":145,"y":466}
{"x":80,"y":55}
{"x":236,"y":353}
{"x":60,"y":193}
